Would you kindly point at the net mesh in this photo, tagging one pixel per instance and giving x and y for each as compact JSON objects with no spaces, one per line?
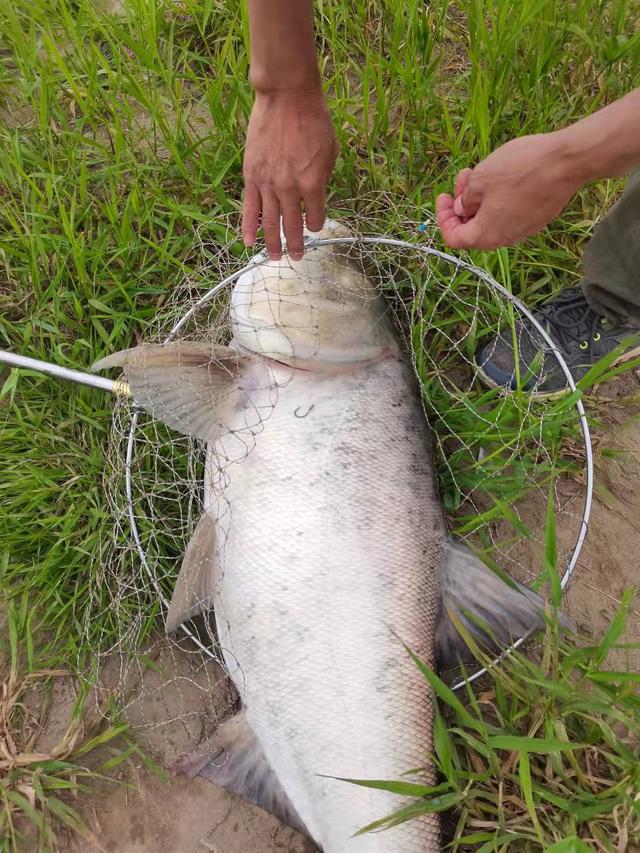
{"x":499,"y":458}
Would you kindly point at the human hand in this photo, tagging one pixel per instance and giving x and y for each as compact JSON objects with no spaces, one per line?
{"x":510,"y":195}
{"x":290,"y":154}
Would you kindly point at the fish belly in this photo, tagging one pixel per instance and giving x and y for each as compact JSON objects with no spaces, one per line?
{"x":330,"y":538}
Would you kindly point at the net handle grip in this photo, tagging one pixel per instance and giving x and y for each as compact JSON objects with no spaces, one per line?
{"x":117,"y":387}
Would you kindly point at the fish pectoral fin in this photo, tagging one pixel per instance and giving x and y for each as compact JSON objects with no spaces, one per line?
{"x":196,"y":581}
{"x":186,"y":385}
{"x":241,"y":767}
{"x":494,"y":613}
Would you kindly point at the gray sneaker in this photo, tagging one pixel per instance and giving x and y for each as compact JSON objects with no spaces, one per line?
{"x":582,"y":337}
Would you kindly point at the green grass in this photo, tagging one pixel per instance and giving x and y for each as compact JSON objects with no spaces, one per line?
{"x":120,"y":134}
{"x":544,"y":757}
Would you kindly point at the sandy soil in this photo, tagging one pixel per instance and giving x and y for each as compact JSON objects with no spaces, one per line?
{"x":609,"y":562}
{"x":184,"y":816}
{"x":179,"y":815}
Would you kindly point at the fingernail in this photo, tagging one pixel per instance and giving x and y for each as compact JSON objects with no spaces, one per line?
{"x":458,"y":207}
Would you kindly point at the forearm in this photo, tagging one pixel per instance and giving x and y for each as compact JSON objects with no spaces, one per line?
{"x":283,"y":53}
{"x":605,"y":144}
{"x":291,"y":145}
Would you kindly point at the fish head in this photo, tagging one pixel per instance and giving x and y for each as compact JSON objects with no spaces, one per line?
{"x":320,"y":312}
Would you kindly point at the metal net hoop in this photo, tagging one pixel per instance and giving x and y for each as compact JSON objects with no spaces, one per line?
{"x":362,"y":243}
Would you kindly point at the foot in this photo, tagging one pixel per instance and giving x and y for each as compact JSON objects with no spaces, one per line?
{"x":582,"y":337}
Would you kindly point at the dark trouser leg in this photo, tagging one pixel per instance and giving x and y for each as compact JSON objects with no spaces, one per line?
{"x":611,"y":281}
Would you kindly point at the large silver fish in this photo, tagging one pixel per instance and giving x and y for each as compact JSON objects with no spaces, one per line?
{"x":322,"y":548}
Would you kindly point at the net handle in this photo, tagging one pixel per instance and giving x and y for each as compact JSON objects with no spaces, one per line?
{"x":118,"y":387}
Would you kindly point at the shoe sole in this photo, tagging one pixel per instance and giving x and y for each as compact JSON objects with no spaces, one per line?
{"x":551,"y":395}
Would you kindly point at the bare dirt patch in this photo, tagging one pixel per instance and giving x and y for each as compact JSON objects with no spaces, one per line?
{"x":609,"y":562}
{"x":189,"y":816}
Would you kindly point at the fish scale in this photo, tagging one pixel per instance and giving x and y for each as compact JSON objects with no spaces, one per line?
{"x":336,"y":532}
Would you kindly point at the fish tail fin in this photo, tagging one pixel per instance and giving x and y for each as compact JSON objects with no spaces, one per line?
{"x":495,"y":612}
{"x":242,"y":768}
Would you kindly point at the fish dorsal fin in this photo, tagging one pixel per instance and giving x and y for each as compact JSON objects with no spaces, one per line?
{"x":190,"y":387}
{"x":196,"y":581}
{"x":494,"y":612}
{"x":241,"y":767}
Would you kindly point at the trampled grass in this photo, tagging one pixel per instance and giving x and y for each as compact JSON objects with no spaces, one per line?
{"x":121,"y":131}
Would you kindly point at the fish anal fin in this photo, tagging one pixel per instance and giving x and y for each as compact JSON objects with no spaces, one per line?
{"x":241,"y":768}
{"x":493,"y":612}
{"x":189,"y":386}
{"x":197,"y":578}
